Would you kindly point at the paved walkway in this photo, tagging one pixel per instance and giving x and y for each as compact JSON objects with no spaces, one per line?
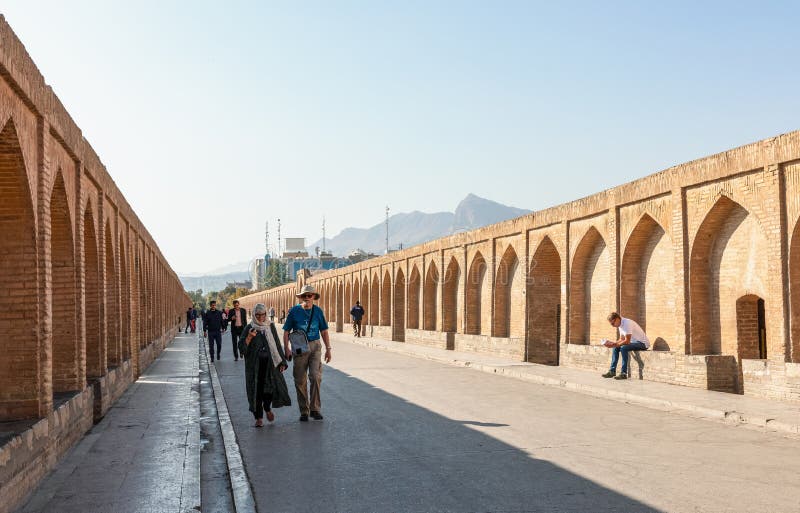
{"x":783,"y":417}
{"x":145,"y":453}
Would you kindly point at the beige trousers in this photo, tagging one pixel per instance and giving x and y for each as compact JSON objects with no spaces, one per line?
{"x":308,"y":365}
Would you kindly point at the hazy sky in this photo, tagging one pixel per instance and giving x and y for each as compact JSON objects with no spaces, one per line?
{"x":214,"y":117}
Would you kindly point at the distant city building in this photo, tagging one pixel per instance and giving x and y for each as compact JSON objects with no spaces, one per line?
{"x":258,"y":270}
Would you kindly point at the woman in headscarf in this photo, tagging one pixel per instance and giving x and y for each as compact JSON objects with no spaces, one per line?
{"x":264,"y":366}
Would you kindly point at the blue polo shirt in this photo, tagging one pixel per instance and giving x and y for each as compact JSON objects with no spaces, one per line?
{"x":297,"y":319}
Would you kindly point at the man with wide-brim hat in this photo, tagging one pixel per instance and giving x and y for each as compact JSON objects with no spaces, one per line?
{"x":307,"y":366}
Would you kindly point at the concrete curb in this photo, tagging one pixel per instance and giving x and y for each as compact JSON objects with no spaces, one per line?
{"x":243,"y":499}
{"x":683,"y":408}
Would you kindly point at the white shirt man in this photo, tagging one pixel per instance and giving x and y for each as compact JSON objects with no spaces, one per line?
{"x":632,"y":338}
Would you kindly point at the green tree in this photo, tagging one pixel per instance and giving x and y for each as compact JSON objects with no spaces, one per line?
{"x":198,"y":298}
{"x":275,"y":274}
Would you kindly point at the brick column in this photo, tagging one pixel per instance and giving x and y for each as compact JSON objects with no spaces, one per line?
{"x":44,"y":287}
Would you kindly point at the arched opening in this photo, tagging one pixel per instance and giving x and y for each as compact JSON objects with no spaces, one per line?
{"x":647,"y":287}
{"x":340,"y":294}
{"x":19,"y":368}
{"x":452,"y":304}
{"x":398,"y":310}
{"x":430,"y":295}
{"x":544,"y":305}
{"x":112,"y":305}
{"x":590,"y":291}
{"x":386,"y":299}
{"x":374,"y":297}
{"x":475,"y":279}
{"x":125,"y":296}
{"x":727,"y":262}
{"x":794,"y":289}
{"x":751,"y":327}
{"x":413,"y":298}
{"x":95,"y":356}
{"x":364,"y":303}
{"x":66,"y":347}
{"x":508,"y":297}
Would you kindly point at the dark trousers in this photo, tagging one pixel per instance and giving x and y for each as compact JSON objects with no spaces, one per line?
{"x":235,"y":334}
{"x":212,"y":337}
{"x":357,"y":327}
{"x":188,"y":325}
{"x":263,"y":401}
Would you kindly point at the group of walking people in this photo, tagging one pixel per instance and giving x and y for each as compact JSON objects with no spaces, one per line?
{"x":266,"y":358}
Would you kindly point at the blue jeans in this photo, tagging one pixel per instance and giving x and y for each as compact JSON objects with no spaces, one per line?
{"x":627,"y":348}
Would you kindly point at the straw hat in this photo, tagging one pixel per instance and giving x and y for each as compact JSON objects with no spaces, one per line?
{"x":307,"y":289}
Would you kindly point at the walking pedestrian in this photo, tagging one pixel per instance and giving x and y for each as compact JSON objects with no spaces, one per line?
{"x":237,"y":318}
{"x":271,"y":314}
{"x":188,"y":320}
{"x":309,"y":318}
{"x":264,"y":364}
{"x":357,"y":313}
{"x":213,"y":328}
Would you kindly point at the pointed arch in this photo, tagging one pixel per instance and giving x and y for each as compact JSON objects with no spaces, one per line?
{"x":544,"y":304}
{"x":398,"y":308}
{"x":125,"y":303}
{"x":508,"y":295}
{"x":374,"y":296}
{"x":95,"y":356}
{"x":647,"y":285}
{"x":66,"y":347}
{"x":386,"y":299}
{"x":414,"y":284}
{"x":474,"y":290}
{"x":726,"y":263}
{"x":114,"y":353}
{"x":348,"y":298}
{"x":590,"y":290}
{"x":794,"y":291}
{"x":451,"y":298}
{"x":19,"y":374}
{"x":430,"y":296}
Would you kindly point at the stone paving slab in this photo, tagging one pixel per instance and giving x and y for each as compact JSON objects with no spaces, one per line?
{"x":145,"y":453}
{"x":781,"y":417}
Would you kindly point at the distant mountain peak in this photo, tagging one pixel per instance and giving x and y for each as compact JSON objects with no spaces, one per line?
{"x":412,"y":228}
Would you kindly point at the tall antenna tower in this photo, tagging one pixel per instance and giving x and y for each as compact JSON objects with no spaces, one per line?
{"x":323,"y":234}
{"x":279,"y":238}
{"x":387,"y":229}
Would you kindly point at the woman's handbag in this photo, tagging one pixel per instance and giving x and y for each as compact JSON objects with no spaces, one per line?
{"x":299,"y":338}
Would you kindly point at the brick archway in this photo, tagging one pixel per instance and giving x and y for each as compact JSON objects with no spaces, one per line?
{"x":398,"y":308}
{"x":474,"y":293}
{"x":414,"y":286}
{"x":544,"y":305}
{"x":386,"y":299}
{"x":114,"y":355}
{"x":430,"y":294}
{"x":507,"y":296}
{"x":95,"y":355}
{"x":66,"y":348}
{"x":451,"y":298}
{"x":726,"y":263}
{"x":590,"y":290}
{"x":20,"y":395}
{"x":374,"y":297}
{"x":647,"y":287}
{"x":794,"y":290}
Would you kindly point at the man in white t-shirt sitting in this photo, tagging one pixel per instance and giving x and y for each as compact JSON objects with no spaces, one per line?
{"x":632,"y":338}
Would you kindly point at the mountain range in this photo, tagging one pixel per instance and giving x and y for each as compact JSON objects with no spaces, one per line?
{"x":410,"y":229}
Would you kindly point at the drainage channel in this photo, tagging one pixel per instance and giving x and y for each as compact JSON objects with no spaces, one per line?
{"x":215,"y":483}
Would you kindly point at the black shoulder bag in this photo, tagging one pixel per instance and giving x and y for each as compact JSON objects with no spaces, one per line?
{"x":299,"y":338}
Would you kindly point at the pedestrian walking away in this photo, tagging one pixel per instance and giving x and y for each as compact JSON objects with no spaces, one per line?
{"x":237,"y":319}
{"x":632,"y":338}
{"x":213,"y":328}
{"x":308,"y":318}
{"x":357,"y":313}
{"x":271,"y":314}
{"x":188,"y":320}
{"x":264,"y":364}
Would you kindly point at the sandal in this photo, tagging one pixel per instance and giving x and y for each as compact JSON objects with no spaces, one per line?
{"x":259,"y":423}
{"x":270,"y":416}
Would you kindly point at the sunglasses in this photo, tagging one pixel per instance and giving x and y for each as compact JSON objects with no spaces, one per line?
{"x":307,"y":296}
{"x":261,"y":315}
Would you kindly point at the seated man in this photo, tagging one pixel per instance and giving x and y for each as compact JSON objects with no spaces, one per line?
{"x":632,"y":338}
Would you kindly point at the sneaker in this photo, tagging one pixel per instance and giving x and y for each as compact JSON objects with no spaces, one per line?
{"x":259,"y":423}
{"x":316,"y":415}
{"x":610,"y":374}
{"x":621,"y":376}
{"x":270,"y":416}
{"x":303,"y":418}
